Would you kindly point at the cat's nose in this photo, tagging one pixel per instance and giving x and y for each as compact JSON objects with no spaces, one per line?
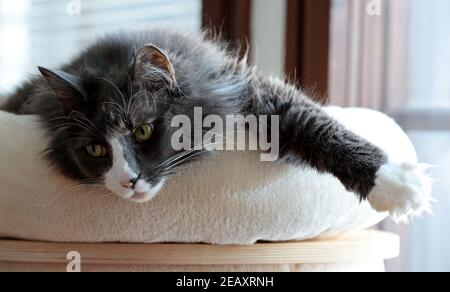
{"x":131,"y":183}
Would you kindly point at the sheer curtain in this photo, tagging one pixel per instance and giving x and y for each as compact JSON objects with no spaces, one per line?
{"x":428,"y":239}
{"x":399,"y":62}
{"x":48,"y":32}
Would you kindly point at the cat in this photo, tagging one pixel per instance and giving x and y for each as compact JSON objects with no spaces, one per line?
{"x":108,"y":116}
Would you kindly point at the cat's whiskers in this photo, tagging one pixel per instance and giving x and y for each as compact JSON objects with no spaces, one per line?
{"x":200,"y":147}
{"x":66,"y":141}
{"x":177,"y":157}
{"x":118,"y":90}
{"x":92,"y":130}
{"x":166,"y":165}
{"x":133,"y":100}
{"x":187,"y":158}
{"x":131,"y":103}
{"x":83,"y":116}
{"x":166,"y":79}
{"x":69,"y":125}
{"x":180,"y":155}
{"x":155,"y":99}
{"x":58,"y":118}
{"x":162,"y":76}
{"x":145,"y":101}
{"x":118,"y":106}
{"x":170,"y":159}
{"x":189,"y":155}
{"x":141,"y":107}
{"x":174,"y":173}
{"x":74,"y":123}
{"x":134,"y":96}
{"x":87,"y":127}
{"x":88,"y":180}
{"x":227,"y":140}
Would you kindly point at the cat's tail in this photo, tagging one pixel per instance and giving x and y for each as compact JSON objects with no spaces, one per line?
{"x":15,"y":102}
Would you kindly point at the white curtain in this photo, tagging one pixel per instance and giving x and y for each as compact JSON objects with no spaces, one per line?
{"x":427,"y":241}
{"x":399,"y":62}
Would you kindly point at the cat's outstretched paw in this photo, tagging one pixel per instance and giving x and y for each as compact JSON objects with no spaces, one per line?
{"x":403,"y":190}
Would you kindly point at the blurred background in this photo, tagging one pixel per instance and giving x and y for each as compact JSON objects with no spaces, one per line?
{"x":390,"y":55}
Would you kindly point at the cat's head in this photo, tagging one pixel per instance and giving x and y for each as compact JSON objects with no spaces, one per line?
{"x":114,"y":128}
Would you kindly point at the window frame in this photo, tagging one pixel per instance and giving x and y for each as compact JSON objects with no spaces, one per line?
{"x":308,"y":45}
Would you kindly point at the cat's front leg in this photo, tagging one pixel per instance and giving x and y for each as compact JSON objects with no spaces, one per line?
{"x":309,"y":135}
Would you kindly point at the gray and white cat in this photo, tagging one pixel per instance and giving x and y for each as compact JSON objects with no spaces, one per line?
{"x":108,"y":115}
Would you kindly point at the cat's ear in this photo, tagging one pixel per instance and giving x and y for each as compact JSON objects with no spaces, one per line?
{"x":67,"y":88}
{"x":153,"y":56}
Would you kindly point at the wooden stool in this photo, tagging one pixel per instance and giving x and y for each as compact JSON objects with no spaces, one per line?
{"x":358,"y":251}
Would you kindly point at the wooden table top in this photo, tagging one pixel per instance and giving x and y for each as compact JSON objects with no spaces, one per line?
{"x":350,"y":247}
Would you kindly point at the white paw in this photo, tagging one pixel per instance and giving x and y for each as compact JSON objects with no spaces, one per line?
{"x":403,"y":190}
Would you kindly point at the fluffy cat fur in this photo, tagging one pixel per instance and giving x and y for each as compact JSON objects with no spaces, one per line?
{"x":127,"y":79}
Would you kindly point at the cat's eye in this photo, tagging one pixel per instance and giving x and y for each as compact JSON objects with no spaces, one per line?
{"x":96,"y":151}
{"x":143,"y":133}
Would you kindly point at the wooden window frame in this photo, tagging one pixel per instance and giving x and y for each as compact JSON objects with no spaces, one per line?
{"x":230,"y":18}
{"x":307,"y":36}
{"x":308,"y":45}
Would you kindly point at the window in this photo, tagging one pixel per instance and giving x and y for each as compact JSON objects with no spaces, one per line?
{"x":398,"y":61}
{"x":48,"y":32}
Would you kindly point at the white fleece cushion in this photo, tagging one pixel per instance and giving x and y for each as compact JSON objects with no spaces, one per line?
{"x":231,"y":198}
